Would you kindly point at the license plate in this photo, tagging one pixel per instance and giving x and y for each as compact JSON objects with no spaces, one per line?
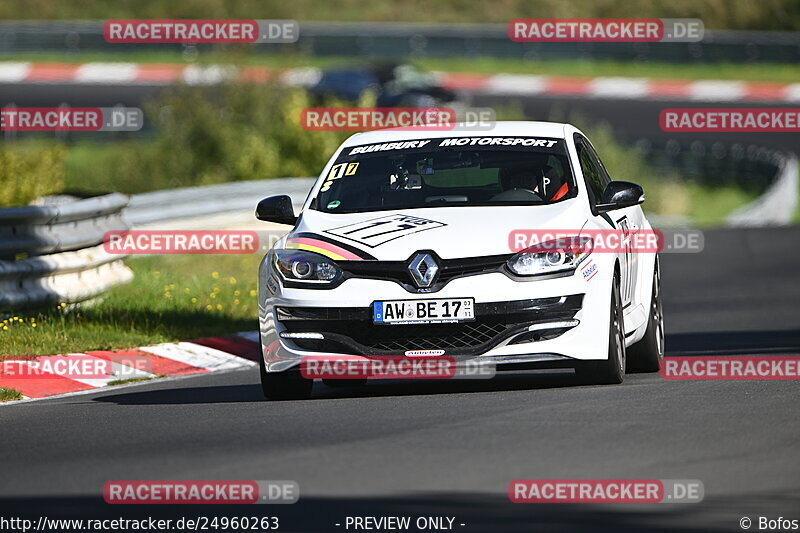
{"x":439,"y":311}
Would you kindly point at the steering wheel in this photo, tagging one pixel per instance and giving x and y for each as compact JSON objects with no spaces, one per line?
{"x":516,"y":195}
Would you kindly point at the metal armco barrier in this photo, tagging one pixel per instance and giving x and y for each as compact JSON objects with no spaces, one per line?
{"x":62,"y":238}
{"x":65,"y":224}
{"x":160,"y":206}
{"x":58,"y":251}
{"x":777,"y":205}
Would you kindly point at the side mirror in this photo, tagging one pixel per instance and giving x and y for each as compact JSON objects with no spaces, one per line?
{"x":619,"y":194}
{"x":276,"y":209}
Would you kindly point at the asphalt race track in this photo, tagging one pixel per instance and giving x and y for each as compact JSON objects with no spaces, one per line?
{"x":452,"y":448}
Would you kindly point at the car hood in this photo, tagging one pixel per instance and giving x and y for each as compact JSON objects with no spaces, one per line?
{"x":451,"y":232}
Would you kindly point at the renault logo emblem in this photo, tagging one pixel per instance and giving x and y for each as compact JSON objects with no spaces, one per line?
{"x":423,"y":269}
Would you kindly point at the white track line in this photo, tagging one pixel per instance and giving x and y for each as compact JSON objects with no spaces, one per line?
{"x":516,"y":84}
{"x":102,"y":73}
{"x":619,"y":87}
{"x":14,"y":72}
{"x":717,"y":90}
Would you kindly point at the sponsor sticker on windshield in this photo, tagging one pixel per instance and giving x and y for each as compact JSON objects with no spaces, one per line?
{"x":451,"y":142}
{"x":337,"y":172}
{"x":377,"y":231}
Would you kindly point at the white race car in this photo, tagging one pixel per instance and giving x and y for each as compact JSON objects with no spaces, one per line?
{"x":436,"y":243}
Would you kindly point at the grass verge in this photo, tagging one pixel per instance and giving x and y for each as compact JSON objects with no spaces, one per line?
{"x":711,"y":205}
{"x":171,"y":298}
{"x":9,"y":395}
{"x":772,"y":15}
{"x":118,"y":382}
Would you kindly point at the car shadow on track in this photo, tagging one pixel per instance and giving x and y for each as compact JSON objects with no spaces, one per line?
{"x":244,"y":393}
{"x":684,"y":344}
{"x":782,"y":342}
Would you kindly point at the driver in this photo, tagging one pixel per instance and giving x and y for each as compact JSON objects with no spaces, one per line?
{"x":544,"y":181}
{"x":517,"y":178}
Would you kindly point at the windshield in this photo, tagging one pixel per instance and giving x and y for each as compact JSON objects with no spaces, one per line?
{"x":460,"y":171}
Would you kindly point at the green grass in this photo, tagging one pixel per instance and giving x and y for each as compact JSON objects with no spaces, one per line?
{"x":709,"y":206}
{"x":88,"y":166}
{"x":118,"y":382}
{"x":796,"y":215}
{"x":761,"y":71}
{"x":9,"y":395}
{"x":171,"y":298}
{"x":771,"y":15}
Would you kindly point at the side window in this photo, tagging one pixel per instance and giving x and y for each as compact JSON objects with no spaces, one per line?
{"x":592,"y":173}
{"x":603,"y":171}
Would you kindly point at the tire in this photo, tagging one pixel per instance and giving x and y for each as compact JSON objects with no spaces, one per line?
{"x":288,"y":385}
{"x":612,"y":369}
{"x":646,"y":355}
{"x":344,"y":383}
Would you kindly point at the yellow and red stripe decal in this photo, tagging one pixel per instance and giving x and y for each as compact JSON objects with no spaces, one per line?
{"x":321,"y":247}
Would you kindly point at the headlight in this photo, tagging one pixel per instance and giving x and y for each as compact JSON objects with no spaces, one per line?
{"x":308,"y":267}
{"x":549,"y":257}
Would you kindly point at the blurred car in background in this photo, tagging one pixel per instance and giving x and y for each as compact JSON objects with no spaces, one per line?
{"x":394,"y":85}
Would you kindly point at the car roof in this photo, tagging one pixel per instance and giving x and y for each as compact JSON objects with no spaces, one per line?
{"x":509,"y":128}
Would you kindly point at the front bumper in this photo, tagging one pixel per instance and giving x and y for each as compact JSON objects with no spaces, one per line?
{"x":351,"y":330}
{"x":558,"y":319}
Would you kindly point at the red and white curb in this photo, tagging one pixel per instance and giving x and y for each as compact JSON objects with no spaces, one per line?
{"x":127,"y":73}
{"x":200,"y":356}
{"x":622,"y":88}
{"x":492,"y":84}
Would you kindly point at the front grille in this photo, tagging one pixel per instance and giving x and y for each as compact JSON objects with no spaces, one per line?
{"x":458,"y":337}
{"x":398,"y":272}
{"x":351,"y":330}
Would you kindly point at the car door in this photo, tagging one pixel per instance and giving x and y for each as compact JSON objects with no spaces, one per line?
{"x":625,"y":220}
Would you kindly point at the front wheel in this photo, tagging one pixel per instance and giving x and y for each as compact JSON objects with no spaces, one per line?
{"x":287,"y":385}
{"x":611,"y":370}
{"x":344,"y":383}
{"x":647,"y":354}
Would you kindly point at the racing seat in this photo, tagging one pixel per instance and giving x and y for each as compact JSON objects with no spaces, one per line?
{"x":551,"y":186}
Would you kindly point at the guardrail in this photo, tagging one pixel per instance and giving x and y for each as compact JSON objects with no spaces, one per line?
{"x":53,"y":252}
{"x":749,"y":166}
{"x":399,"y":40}
{"x":160,"y":206}
{"x":776,"y":207}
